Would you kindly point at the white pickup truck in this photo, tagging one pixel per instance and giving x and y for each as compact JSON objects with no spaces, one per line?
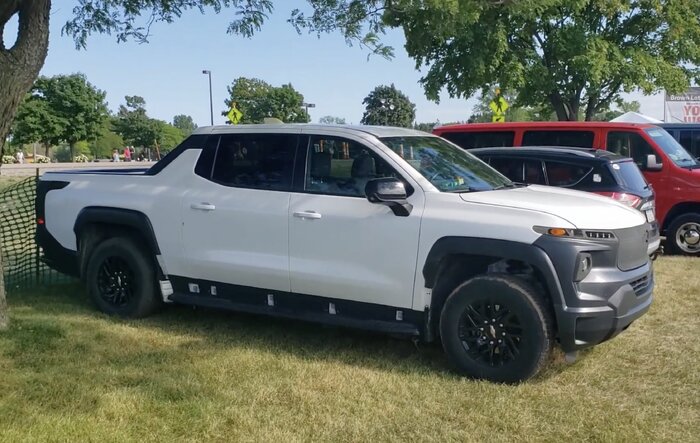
{"x":370,"y":227}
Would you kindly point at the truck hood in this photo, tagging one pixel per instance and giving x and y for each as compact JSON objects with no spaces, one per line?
{"x":582,"y":209}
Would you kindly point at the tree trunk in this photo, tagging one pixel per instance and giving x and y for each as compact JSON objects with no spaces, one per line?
{"x":72,"y":151}
{"x":19,"y":67}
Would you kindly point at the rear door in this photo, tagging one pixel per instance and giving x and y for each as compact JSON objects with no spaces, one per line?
{"x":235,"y":224}
{"x":341,"y":245}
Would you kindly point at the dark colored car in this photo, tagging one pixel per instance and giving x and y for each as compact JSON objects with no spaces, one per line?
{"x":591,"y":170}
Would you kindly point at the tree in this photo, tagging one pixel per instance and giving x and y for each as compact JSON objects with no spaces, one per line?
{"x":134,"y":125}
{"x":387,"y":106}
{"x":331,"y":120}
{"x":107,"y":141}
{"x":185,"y":124}
{"x":170,"y":137}
{"x":257,"y":99}
{"x":576,"y":56}
{"x":78,"y":103}
{"x":35,"y":122}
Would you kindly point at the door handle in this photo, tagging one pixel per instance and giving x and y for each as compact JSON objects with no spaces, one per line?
{"x":203,"y":206}
{"x":311,"y":215}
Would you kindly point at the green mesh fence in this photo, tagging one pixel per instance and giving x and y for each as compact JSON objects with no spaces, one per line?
{"x":20,"y":254}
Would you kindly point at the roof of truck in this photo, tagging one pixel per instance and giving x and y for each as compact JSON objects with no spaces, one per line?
{"x":377,"y":131}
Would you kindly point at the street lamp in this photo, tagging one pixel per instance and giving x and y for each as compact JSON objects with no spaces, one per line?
{"x":211,"y":103}
{"x":307,"y":106}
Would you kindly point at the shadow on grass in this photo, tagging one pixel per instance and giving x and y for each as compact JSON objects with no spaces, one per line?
{"x":42,"y":320}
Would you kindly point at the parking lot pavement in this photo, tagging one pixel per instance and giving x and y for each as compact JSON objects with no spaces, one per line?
{"x":29,"y":169}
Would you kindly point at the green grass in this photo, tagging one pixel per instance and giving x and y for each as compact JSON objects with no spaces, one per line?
{"x":68,"y":373}
{"x":6,"y":181}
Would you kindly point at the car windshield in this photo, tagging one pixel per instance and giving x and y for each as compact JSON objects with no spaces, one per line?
{"x":674,"y":150}
{"x":447,"y":167}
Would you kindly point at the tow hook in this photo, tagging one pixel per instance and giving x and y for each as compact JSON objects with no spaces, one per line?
{"x":570,"y":357}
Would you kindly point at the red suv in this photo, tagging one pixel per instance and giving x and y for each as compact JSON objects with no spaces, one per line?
{"x":673,"y":173}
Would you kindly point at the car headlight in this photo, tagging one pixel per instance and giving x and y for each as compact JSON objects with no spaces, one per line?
{"x":575,"y":233}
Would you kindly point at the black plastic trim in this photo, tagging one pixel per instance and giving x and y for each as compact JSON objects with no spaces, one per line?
{"x":197,"y":141}
{"x":348,"y":313}
{"x":53,"y":253}
{"x":120,"y":217}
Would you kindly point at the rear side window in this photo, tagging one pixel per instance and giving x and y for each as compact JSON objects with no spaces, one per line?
{"x":629,"y":175}
{"x":630,"y":144}
{"x":258,"y":161}
{"x":482,"y":139}
{"x":580,"y":139}
{"x":565,"y":174}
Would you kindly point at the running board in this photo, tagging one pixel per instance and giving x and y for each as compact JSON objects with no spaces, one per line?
{"x":315,"y":317}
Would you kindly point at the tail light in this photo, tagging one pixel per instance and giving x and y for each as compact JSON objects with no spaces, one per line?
{"x":630,"y":200}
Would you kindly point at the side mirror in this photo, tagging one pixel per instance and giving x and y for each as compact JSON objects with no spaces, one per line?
{"x":652,"y":165}
{"x":391,"y":192}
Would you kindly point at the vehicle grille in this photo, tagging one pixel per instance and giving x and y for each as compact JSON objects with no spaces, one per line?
{"x":632,"y":247}
{"x":640,"y":285}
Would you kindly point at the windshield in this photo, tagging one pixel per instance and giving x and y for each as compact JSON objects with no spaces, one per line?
{"x":447,"y":167}
{"x":674,"y":150}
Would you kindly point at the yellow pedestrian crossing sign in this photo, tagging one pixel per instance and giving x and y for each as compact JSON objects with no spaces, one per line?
{"x":234,"y":115}
{"x":498,"y":105}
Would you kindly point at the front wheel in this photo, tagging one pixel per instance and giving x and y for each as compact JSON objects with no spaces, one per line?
{"x":497,"y":327}
{"x":121,"y":279}
{"x":683,"y":236}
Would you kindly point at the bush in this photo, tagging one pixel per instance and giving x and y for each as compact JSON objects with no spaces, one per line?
{"x":7,"y":159}
{"x":41,"y":159}
{"x":82,"y":158}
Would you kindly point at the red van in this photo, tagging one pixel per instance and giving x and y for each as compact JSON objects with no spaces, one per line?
{"x":673,"y":173}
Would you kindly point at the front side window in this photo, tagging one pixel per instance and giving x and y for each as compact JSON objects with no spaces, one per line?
{"x":630,"y":144}
{"x":447,"y":167}
{"x":579,"y":139}
{"x":258,"y":161}
{"x":337,"y":166}
{"x":510,"y":167}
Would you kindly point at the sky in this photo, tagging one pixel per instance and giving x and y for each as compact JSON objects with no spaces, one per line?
{"x":167,"y":72}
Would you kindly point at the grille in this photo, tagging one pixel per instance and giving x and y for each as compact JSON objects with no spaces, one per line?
{"x":632,"y":247}
{"x":640,"y":285}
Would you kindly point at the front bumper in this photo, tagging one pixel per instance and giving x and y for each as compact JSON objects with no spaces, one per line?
{"x":605,"y":302}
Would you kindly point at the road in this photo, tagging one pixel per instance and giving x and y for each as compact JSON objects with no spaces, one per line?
{"x":29,"y":169}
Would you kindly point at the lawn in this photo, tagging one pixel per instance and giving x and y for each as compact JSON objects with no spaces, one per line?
{"x":72,"y":374}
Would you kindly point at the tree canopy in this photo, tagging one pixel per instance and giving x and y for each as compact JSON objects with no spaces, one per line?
{"x":257,"y":99}
{"x":387,"y":106}
{"x":185,"y":124}
{"x":576,"y":56}
{"x":61,"y":108}
{"x":138,"y":129}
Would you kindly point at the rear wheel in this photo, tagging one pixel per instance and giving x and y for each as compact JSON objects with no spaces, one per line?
{"x":683,"y":236}
{"x":121,"y":278}
{"x":496,"y":327}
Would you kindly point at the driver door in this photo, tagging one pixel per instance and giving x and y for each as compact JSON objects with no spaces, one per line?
{"x":341,"y":245}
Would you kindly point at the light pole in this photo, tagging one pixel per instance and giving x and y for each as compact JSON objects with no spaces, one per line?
{"x":307,"y":106}
{"x":211,"y":103}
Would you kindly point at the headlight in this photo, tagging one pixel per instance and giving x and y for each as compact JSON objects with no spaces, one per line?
{"x":574,"y":233}
{"x":584,"y":263}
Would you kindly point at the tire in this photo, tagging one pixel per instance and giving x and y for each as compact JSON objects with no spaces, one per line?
{"x":489,"y":308}
{"x":121,"y":279}
{"x":683,"y":235}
